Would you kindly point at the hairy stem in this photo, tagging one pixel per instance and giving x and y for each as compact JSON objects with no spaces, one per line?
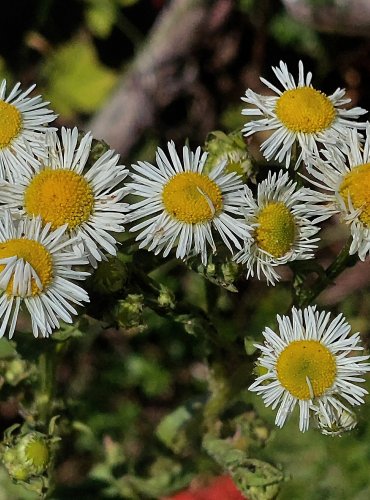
{"x":305,"y":296}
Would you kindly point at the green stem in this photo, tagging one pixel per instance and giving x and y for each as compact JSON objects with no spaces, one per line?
{"x":129,"y":29}
{"x":45,"y":397}
{"x":294,"y":155}
{"x":212,"y":294}
{"x":219,"y":389}
{"x":226,"y":378}
{"x":305,"y":296}
{"x":182,"y":310}
{"x":46,"y":367}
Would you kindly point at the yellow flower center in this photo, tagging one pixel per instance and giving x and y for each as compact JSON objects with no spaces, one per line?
{"x":37,"y":451}
{"x":11,"y":123}
{"x":235,"y":166}
{"x":60,"y":196}
{"x":36,"y":255}
{"x":306,"y":368}
{"x":356,"y":185}
{"x":192,"y":198}
{"x":305,"y":110}
{"x":275,"y":233}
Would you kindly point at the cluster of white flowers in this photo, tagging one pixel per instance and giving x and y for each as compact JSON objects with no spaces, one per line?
{"x":310,"y":360}
{"x":339,"y":172}
{"x":183,"y":206}
{"x":58,"y":211}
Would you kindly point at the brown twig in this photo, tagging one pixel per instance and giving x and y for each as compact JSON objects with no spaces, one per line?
{"x":156,"y":76}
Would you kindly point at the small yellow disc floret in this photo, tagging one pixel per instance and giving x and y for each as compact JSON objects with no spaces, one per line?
{"x":305,"y":110}
{"x":306,"y":368}
{"x":37,"y":452}
{"x":356,"y":185}
{"x":36,"y":255}
{"x":60,"y":197}
{"x":275,"y":233}
{"x":192,"y":198}
{"x":10,"y":123}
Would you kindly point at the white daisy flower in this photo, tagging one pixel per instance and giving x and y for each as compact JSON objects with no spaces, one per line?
{"x":309,"y":362}
{"x":23,"y":122}
{"x":334,"y":420}
{"x":298,"y":114}
{"x":344,"y":183}
{"x":181,"y":205}
{"x":62,"y":192}
{"x":35,"y":270}
{"x":280,"y":231}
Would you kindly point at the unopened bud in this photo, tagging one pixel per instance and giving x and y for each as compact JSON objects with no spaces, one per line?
{"x":166,"y":298}
{"x":15,"y":371}
{"x":130,"y":313}
{"x":27,"y":456}
{"x":110,"y":276}
{"x":232,"y":149}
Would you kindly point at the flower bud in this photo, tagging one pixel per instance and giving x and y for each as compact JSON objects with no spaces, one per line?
{"x":166,"y":298}
{"x":16,"y":370}
{"x":16,"y":470}
{"x":27,"y":456}
{"x":129,"y":313}
{"x":110,"y":276}
{"x":98,"y":148}
{"x":231,"y":148}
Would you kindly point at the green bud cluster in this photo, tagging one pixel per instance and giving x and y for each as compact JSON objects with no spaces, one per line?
{"x":28,"y":456}
{"x":231,"y":148}
{"x":129,"y":314}
{"x":166,"y":298}
{"x":110,"y":276}
{"x":13,"y":371}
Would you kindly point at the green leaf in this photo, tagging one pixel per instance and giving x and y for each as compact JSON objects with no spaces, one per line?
{"x":175,"y":430}
{"x":67,"y":331}
{"x":249,"y":346}
{"x":101,"y":472}
{"x":101,"y":16}
{"x":148,"y":374}
{"x":76,"y":88}
{"x":258,"y":480}
{"x":291,"y":33}
{"x":166,"y":476}
{"x":7,"y":349}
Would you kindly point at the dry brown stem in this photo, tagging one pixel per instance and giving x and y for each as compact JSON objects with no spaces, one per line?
{"x":157,"y":75}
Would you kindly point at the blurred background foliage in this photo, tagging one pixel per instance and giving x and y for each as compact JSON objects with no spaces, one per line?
{"x":122,"y":377}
